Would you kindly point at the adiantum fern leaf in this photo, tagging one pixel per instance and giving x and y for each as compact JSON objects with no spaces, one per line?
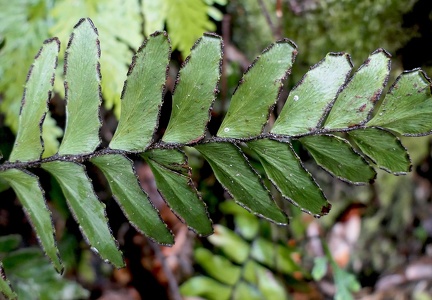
{"x":330,"y":112}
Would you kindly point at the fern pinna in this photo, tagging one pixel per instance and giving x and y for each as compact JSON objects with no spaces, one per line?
{"x":331,"y":113}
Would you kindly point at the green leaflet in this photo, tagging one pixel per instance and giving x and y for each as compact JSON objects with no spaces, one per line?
{"x":186,"y":21}
{"x":309,"y":100}
{"x":383,"y":148}
{"x":407,"y":107}
{"x":10,"y":242}
{"x":283,"y":167}
{"x":357,"y":100}
{"x":154,"y":13}
{"x":5,"y":287}
{"x":31,"y":196}
{"x":142,"y":95}
{"x":195,"y":91}
{"x":87,"y":210}
{"x":126,"y":190}
{"x":335,"y":155}
{"x":172,"y":174}
{"x":83,"y":92}
{"x":269,"y":286}
{"x":258,"y":91}
{"x":217,"y":266}
{"x":275,"y":256}
{"x":245,"y":290}
{"x":205,"y":287}
{"x":246,"y":224}
{"x":233,"y":171}
{"x":33,"y":277}
{"x":320,"y":268}
{"x":120,"y":28}
{"x":230,"y":243}
{"x":16,"y":57}
{"x":40,"y":81}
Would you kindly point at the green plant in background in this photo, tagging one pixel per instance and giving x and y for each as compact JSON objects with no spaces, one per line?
{"x":32,"y":274}
{"x":120,"y":27}
{"x":321,"y":24}
{"x":328,"y":112}
{"x":249,"y":264}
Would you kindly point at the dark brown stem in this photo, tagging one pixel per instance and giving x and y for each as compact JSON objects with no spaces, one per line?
{"x":172,"y":282}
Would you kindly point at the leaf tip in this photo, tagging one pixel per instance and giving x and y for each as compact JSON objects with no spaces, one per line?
{"x":382,"y":51}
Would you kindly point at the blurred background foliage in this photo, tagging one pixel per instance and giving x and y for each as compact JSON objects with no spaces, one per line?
{"x":374,"y":244}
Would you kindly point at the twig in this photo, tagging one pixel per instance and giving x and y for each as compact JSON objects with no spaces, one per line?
{"x":275,"y":31}
{"x":172,"y":282}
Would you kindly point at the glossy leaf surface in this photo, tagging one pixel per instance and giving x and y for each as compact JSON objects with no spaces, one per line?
{"x":233,"y":171}
{"x":407,"y":107}
{"x":383,"y":148}
{"x":86,"y":208}
{"x":172,"y":175}
{"x":355,"y":103}
{"x":31,"y":196}
{"x":143,"y":95}
{"x":336,"y":156}
{"x":195,"y":91}
{"x":83,"y":91}
{"x":311,"y":97}
{"x":258,"y":91}
{"x":123,"y":181}
{"x":284,"y":168}
{"x":37,"y":92}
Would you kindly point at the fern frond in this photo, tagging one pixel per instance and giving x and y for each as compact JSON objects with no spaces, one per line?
{"x":328,"y":112}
